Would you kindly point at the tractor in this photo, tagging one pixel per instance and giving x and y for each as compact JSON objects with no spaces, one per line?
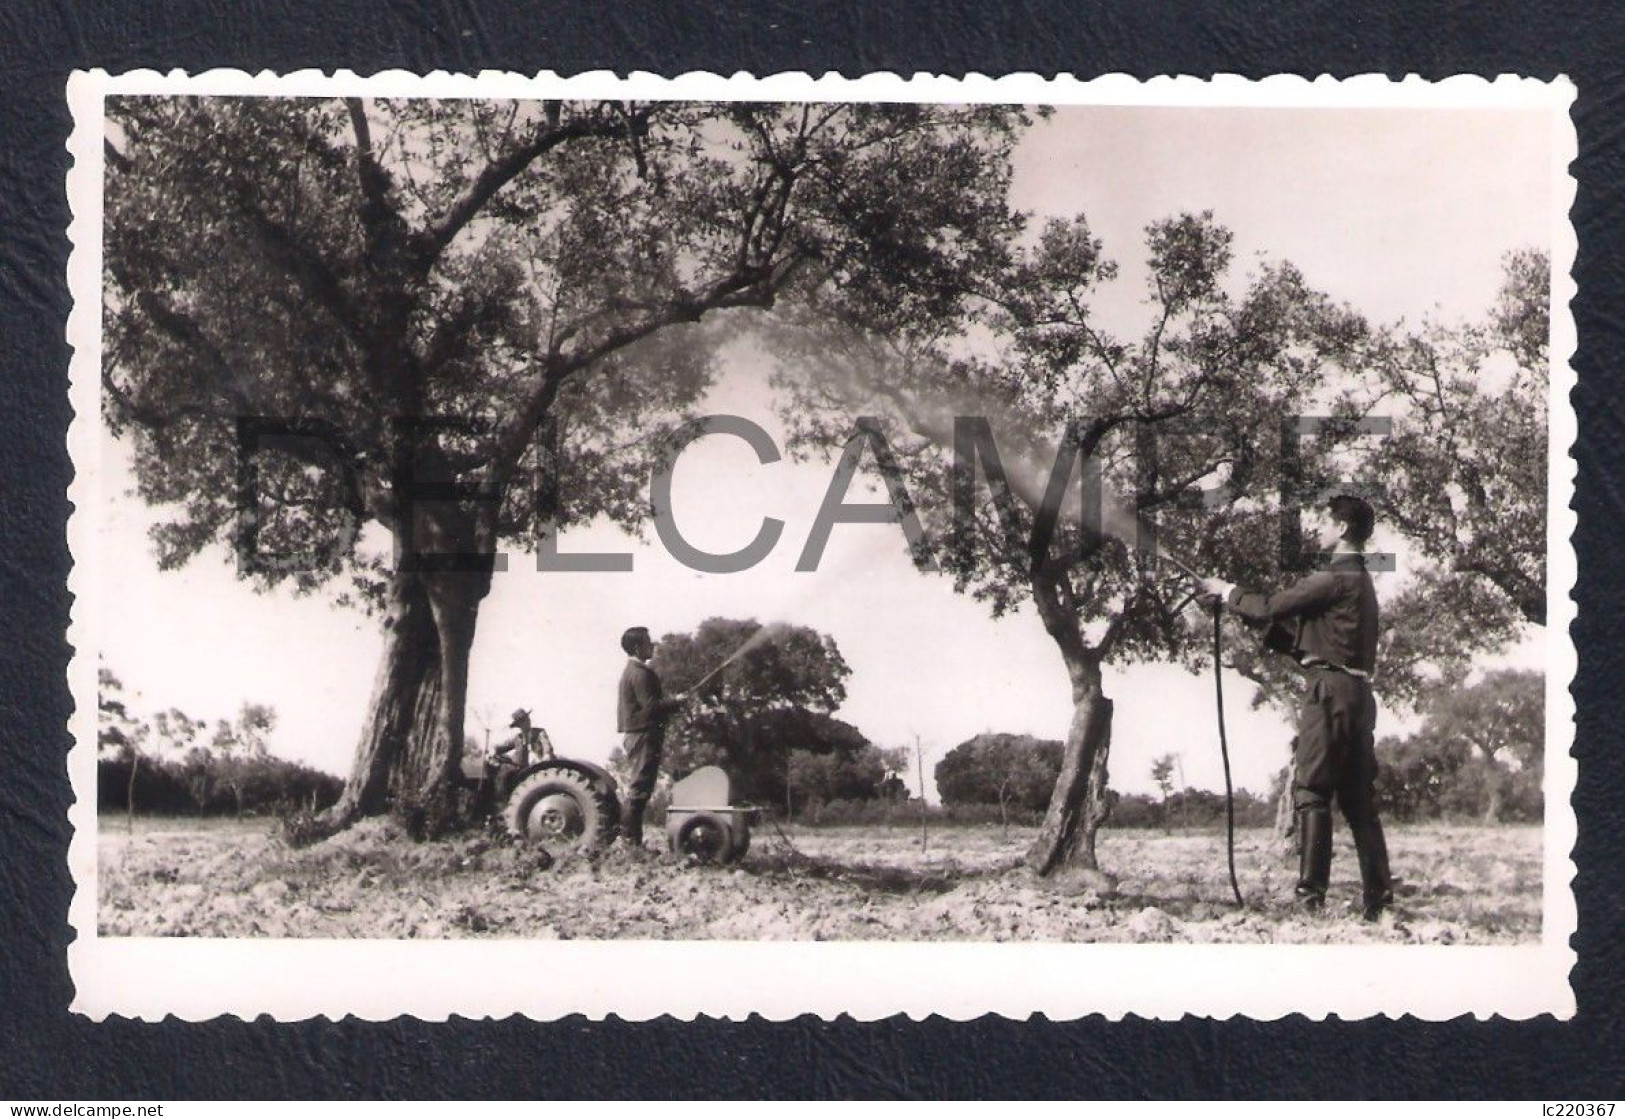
{"x":562,"y":804}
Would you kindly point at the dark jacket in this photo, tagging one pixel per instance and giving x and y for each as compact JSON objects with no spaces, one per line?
{"x":640,"y":707}
{"x":1330,"y":616}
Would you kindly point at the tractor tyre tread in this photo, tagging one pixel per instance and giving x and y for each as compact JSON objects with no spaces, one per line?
{"x":600,"y":811}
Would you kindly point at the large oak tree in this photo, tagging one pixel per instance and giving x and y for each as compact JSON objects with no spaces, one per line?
{"x":423,"y":318}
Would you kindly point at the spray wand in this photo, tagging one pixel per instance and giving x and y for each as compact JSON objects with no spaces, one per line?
{"x":764,"y":634}
{"x":1224,"y":741}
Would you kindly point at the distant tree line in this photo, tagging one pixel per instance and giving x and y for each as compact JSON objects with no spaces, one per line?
{"x":173,"y":764}
{"x":185,"y":788}
{"x":1011,"y":775}
{"x":1477,"y":756}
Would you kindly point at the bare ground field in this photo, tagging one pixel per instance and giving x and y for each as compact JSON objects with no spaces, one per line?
{"x":1457,"y":885}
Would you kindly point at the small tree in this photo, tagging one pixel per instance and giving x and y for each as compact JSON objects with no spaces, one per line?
{"x":1162,"y":772}
{"x":119,"y":733}
{"x":239,"y":745}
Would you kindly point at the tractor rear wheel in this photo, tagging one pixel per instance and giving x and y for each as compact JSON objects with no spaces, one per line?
{"x":562,"y":811}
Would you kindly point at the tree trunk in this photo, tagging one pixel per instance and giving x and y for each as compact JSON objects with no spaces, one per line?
{"x":1492,"y":806}
{"x":1080,"y":803}
{"x":1286,"y":819}
{"x":129,"y":792}
{"x":1097,"y":805}
{"x":408,"y":757}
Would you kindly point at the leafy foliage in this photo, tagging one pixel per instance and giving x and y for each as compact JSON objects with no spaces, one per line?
{"x":534,"y":269}
{"x":119,"y":732}
{"x":1479,"y":753}
{"x":1195,"y":402}
{"x":773,"y":701}
{"x":1193,"y":808}
{"x":1015,"y":770}
{"x":1465,"y":471}
{"x":160,"y":763}
{"x":168,"y":786}
{"x":1162,"y":772}
{"x":865,"y":774}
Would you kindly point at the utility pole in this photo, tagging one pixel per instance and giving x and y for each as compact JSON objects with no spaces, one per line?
{"x":1184,"y":801}
{"x":919,"y":761}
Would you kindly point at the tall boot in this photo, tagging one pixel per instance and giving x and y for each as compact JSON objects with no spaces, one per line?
{"x":1314,"y":855}
{"x":1376,"y":881}
{"x":632,"y":823}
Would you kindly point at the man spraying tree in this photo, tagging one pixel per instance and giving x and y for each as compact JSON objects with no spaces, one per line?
{"x":641,"y":714}
{"x":1327,"y":622}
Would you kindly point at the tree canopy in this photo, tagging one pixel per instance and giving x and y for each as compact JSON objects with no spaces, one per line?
{"x":1014,"y":770}
{"x":1464,"y":474}
{"x":469,"y":322}
{"x":775,"y":699}
{"x":1184,"y":424}
{"x":347,"y":264}
{"x":1480,"y":752}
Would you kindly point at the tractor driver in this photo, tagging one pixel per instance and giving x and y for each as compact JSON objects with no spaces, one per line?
{"x":641,"y":715}
{"x":1327,"y":622}
{"x":530,"y":744}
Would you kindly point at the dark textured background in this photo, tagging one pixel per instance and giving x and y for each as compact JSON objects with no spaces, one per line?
{"x":46,"y":1052}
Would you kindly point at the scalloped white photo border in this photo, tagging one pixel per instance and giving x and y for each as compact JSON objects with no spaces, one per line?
{"x":200,"y":978}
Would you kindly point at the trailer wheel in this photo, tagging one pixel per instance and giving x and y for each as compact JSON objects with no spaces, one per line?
{"x":560,"y":810}
{"x":704,"y":839}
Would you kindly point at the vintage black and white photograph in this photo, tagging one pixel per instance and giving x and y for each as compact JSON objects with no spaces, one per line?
{"x":533,"y":522}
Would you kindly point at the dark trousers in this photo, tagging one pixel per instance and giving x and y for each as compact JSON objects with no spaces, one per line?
{"x":642,"y":750}
{"x":1336,"y":757}
{"x":1336,"y":753}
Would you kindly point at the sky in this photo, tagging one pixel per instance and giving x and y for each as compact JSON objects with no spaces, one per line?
{"x":1402,"y":213}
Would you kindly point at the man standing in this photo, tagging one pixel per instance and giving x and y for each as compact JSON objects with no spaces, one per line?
{"x":1327,"y":622}
{"x":641,"y":715}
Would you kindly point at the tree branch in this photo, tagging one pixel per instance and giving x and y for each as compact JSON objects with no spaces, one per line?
{"x":305,"y":268}
{"x":503,"y":171}
{"x":375,"y":209}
